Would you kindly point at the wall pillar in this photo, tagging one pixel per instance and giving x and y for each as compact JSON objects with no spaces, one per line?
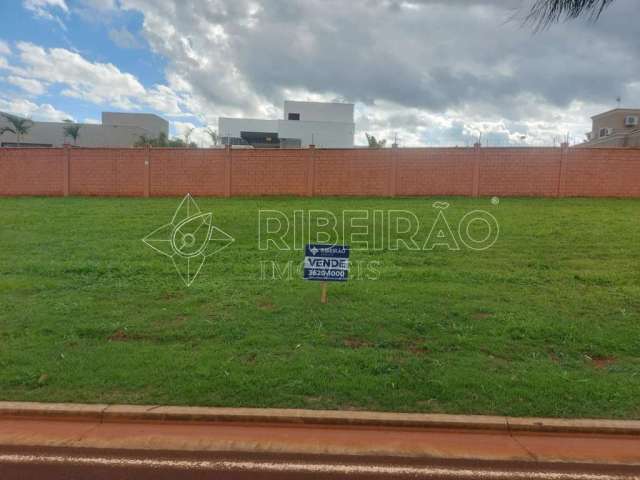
{"x":66,"y":171}
{"x":227,"y":170}
{"x":564,"y":151}
{"x":476,"y":170}
{"x":393,"y":181}
{"x":147,"y":172}
{"x":311,"y":172}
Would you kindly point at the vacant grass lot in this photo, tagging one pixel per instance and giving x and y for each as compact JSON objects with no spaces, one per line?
{"x":546,"y":322}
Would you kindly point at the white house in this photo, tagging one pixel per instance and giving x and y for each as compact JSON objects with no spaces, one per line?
{"x":326,"y":125}
{"x":116,"y":130}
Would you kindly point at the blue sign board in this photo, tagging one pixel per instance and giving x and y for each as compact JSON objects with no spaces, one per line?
{"x":327,"y":263}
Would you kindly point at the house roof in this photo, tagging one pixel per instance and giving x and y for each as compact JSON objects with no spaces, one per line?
{"x":629,"y":110}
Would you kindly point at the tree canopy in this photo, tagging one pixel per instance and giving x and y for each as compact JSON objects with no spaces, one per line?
{"x":71,"y":130}
{"x":375,"y":143}
{"x":163,"y":141}
{"x":546,"y":12}
{"x":19,"y":126}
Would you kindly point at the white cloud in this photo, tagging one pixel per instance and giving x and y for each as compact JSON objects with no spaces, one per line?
{"x":4,"y":48}
{"x":198,"y":135}
{"x":95,"y":82}
{"x":432,"y":71}
{"x":435,"y":72}
{"x":29,"y":85}
{"x":123,"y":38}
{"x":44,"y":8}
{"x":100,"y":5}
{"x":163,"y":99}
{"x":26,"y":108}
{"x":42,"y":5}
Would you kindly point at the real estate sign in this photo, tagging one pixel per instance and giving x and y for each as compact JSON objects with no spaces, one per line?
{"x":326,"y":263}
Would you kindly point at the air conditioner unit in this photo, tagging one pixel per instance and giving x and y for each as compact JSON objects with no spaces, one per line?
{"x":631,"y":121}
{"x":609,"y":131}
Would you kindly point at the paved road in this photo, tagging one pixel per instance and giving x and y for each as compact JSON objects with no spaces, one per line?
{"x":69,"y":464}
{"x":49,"y":447}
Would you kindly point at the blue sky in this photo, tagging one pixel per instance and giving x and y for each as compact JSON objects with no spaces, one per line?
{"x":99,"y":36}
{"x":432,"y":72}
{"x":87,"y":36}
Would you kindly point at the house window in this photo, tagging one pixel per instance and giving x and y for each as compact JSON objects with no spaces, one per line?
{"x":603,"y":132}
{"x":294,"y":116}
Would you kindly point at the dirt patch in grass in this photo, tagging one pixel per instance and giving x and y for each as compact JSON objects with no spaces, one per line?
{"x":122,"y":336}
{"x":353,"y":342}
{"x":417,"y":347}
{"x":600,"y":362}
{"x":266,"y":305}
{"x":177,"y":321}
{"x":118,"y":336}
{"x":553,"y":356}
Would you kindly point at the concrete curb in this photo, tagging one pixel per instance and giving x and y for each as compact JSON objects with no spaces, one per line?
{"x":150,"y":413}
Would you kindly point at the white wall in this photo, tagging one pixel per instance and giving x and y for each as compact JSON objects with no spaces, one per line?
{"x":148,"y":121}
{"x":322,"y":134}
{"x":89,"y":135}
{"x":328,"y":125}
{"x":320,"y":111}
{"x":231,"y":127}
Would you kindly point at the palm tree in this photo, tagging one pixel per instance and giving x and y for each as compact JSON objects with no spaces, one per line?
{"x":545,"y":12}
{"x":19,"y":126}
{"x":71,"y":130}
{"x":214,"y":136}
{"x":374,"y":143}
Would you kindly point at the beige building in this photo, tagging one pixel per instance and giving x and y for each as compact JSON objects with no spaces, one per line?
{"x":619,"y":127}
{"x":116,"y":130}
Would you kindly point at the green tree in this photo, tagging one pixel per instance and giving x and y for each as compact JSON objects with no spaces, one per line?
{"x":162,"y":141}
{"x":214,"y":136}
{"x":374,"y":143}
{"x":19,"y":126}
{"x":546,"y":12}
{"x":71,"y":130}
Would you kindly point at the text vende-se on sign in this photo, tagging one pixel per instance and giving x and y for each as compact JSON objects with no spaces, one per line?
{"x":327,"y":263}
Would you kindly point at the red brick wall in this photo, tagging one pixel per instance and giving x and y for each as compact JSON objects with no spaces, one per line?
{"x":527,"y":172}
{"x":435,"y":171}
{"x":352,"y":172}
{"x":269,"y":171}
{"x":187,"y":170}
{"x":611,"y":172}
{"x":31,"y":171}
{"x":115,"y":171}
{"x":599,"y":172}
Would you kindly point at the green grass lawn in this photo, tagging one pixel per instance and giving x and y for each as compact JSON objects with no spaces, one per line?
{"x":546,"y":322}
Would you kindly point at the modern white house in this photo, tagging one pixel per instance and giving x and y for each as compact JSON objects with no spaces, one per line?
{"x":326,"y":125}
{"x":116,"y":130}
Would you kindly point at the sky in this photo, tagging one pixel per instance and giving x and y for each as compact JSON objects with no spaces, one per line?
{"x":429,"y":72}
